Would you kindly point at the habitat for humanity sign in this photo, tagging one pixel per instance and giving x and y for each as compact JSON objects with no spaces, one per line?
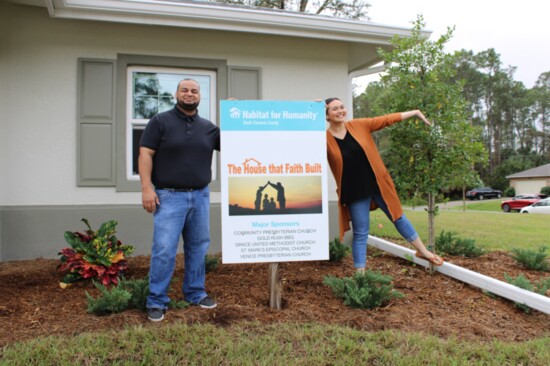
{"x":274,"y":182}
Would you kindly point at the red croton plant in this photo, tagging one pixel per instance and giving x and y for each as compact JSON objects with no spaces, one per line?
{"x":94,"y":254}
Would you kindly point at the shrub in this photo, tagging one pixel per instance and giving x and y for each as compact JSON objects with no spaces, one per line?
{"x":211,"y":262}
{"x":111,"y":301}
{"x":543,"y":286}
{"x":364,"y":290}
{"x":545,"y":190}
{"x":127,"y":294}
{"x":139,"y":288}
{"x":94,"y":254}
{"x":540,"y":287}
{"x":510,"y":192}
{"x":337,"y":250}
{"x":449,"y":243}
{"x":531,"y":259}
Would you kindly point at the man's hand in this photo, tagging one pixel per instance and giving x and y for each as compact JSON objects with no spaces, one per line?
{"x":149,"y":200}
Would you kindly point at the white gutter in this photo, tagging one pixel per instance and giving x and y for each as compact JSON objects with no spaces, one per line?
{"x":503,"y":289}
{"x":212,"y":16}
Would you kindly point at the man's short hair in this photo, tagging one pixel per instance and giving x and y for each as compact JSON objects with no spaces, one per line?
{"x":188,"y":79}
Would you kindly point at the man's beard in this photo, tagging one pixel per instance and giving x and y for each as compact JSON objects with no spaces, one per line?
{"x":188,"y":107}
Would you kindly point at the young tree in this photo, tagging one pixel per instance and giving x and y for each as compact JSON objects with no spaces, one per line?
{"x":425,"y":159}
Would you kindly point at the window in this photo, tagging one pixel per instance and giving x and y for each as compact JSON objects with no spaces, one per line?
{"x":150,"y":90}
{"x":116,"y":99}
{"x":211,"y":75}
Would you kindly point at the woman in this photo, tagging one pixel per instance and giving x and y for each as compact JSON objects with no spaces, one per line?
{"x":363,"y":181}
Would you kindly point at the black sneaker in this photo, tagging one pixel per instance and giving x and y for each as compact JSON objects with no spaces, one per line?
{"x":155,"y":314}
{"x":208,"y":303}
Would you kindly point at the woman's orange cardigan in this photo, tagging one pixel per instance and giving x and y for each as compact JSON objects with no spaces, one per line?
{"x":361,"y":130}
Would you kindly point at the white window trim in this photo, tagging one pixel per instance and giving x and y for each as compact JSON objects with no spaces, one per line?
{"x":131,"y":122}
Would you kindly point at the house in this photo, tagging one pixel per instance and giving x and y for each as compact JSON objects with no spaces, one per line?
{"x":531,"y":180}
{"x":81,"y":78}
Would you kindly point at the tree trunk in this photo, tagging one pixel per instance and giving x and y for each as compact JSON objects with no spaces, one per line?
{"x":543,"y":128}
{"x":431,"y":221}
{"x":431,"y":227}
{"x":463,"y":198}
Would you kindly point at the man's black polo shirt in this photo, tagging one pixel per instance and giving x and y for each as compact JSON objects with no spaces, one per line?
{"x":183,"y":149}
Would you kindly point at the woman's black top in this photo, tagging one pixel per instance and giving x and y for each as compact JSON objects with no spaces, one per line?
{"x":358,"y":179}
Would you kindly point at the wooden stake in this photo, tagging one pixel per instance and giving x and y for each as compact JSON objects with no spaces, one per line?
{"x":275,"y":286}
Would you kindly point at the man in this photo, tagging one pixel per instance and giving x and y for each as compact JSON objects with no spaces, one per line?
{"x":280,"y":194}
{"x":175,"y":159}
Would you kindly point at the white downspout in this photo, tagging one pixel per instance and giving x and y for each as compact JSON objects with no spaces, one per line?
{"x":50,"y":7}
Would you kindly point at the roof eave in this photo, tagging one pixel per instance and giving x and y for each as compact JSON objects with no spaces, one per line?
{"x":542,"y":171}
{"x":225,"y":18}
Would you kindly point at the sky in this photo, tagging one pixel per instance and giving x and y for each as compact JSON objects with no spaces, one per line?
{"x":518,"y":30}
{"x":300,"y":191}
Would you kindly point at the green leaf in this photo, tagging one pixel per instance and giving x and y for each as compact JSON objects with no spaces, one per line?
{"x":107,"y":228}
{"x":72,"y":240}
{"x":85,"y":221}
{"x":89,"y":258}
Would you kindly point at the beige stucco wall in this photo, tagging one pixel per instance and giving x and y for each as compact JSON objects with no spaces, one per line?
{"x":529,"y":185}
{"x":38,"y":61}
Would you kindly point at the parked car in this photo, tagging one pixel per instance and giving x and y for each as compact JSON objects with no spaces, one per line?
{"x":482,"y":193}
{"x":542,"y":206}
{"x":520,"y":201}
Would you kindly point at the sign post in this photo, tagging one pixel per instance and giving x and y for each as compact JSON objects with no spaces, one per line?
{"x":275,"y":286}
{"x":274,"y":184}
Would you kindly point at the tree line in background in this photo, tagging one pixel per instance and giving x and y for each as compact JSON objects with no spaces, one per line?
{"x":511,"y":120}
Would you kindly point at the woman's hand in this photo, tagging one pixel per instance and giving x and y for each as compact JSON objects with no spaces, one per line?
{"x":422,"y":117}
{"x":415,"y":113}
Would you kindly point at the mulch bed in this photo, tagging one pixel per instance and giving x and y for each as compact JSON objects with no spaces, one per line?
{"x":33,"y":305}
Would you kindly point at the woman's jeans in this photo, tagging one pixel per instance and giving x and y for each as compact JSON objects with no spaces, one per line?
{"x":360,"y":220}
{"x":186,"y":214}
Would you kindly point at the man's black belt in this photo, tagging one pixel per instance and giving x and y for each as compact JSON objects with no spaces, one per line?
{"x":180,"y":189}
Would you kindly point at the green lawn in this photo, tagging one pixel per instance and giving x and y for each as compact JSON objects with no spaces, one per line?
{"x":491,"y":229}
{"x":493,"y":206}
{"x":278,"y":344}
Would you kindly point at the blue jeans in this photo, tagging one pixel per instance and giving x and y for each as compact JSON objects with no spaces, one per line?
{"x":186,"y":214}
{"x":360,"y":221}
